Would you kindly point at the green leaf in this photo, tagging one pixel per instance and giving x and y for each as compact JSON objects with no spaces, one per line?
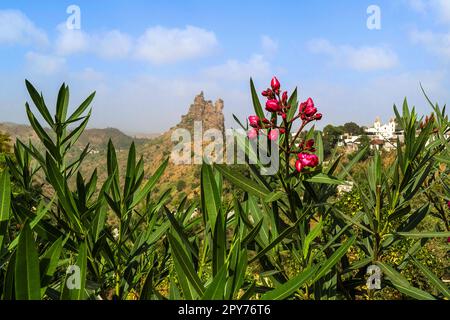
{"x":210,"y":196}
{"x":424,"y":234}
{"x":62,"y":103}
{"x":219,"y":245}
{"x":26,"y":274}
{"x":294,"y":105}
{"x":313,"y":234}
{"x":256,"y":104}
{"x":335,"y":258}
{"x":252,"y":234}
{"x":325,"y":179}
{"x":5,"y":202}
{"x":274,"y":196}
{"x":216,"y":288}
{"x":244,"y":183}
{"x":434,"y":280}
{"x":277,"y":240}
{"x":76,"y":133}
{"x":150,"y":184}
{"x":39,"y":102}
{"x":130,"y":173}
{"x":49,"y":262}
{"x":185,"y":264}
{"x":287,"y":289}
{"x":402,"y":284}
{"x":82,"y":108}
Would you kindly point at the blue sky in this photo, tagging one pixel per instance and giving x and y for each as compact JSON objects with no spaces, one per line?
{"x":148,"y":59}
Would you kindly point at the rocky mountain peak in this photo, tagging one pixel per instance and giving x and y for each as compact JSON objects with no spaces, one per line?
{"x":211,"y":114}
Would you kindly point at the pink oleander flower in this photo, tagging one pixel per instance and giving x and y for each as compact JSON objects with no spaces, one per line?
{"x":275,"y":84}
{"x":284,"y":97}
{"x":253,"y":121}
{"x":272,"y":105}
{"x":307,"y":108}
{"x":298,"y":166}
{"x":308,"y":160}
{"x":252,"y":133}
{"x":273,"y":135}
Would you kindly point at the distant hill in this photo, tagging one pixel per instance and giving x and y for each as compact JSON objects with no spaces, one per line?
{"x":184,"y":179}
{"x":97,"y":138}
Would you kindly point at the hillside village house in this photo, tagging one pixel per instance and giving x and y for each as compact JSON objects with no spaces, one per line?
{"x":382,"y":136}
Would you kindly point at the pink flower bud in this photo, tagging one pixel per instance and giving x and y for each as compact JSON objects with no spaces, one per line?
{"x":265,"y":93}
{"x":283,"y":115}
{"x":318,"y":116}
{"x":308,"y":160}
{"x":273,"y":135}
{"x":309,"y":143}
{"x":448,"y":204}
{"x":272,"y":105}
{"x":308,"y":108}
{"x":282,"y":131}
{"x":252,"y":133}
{"x":275,"y":84}
{"x":298,"y":166}
{"x":265,"y":120}
{"x":284,"y":97}
{"x":253,"y":121}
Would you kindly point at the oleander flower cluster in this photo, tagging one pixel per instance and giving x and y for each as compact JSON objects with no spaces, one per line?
{"x":278,"y":105}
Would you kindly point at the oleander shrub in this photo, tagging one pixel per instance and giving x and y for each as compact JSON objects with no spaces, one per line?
{"x":287,"y":235}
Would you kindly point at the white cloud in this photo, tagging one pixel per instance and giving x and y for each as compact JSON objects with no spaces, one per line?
{"x":269,"y":45}
{"x":257,"y":67}
{"x":437,"y":43}
{"x":440,"y":8}
{"x":365,"y":58}
{"x":113,"y":44}
{"x":160,"y":45}
{"x":71,"y":41}
{"x":44,"y":64}
{"x":16,"y":28}
{"x":109,"y":45}
{"x":417,"y":5}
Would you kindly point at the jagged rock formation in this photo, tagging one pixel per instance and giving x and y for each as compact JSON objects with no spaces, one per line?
{"x":203,"y":110}
{"x":184,"y":178}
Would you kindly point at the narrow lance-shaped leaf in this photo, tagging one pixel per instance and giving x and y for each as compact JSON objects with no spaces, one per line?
{"x":245,"y":184}
{"x":5,"y":205}
{"x":256,"y":104}
{"x":287,"y":289}
{"x":186,"y":265}
{"x":27,"y":277}
{"x":402,"y":284}
{"x":334,"y":259}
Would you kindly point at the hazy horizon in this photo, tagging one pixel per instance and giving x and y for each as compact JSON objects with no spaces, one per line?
{"x":147,"y":61}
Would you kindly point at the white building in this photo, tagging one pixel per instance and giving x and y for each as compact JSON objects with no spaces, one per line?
{"x":381,"y":136}
{"x":382,"y":131}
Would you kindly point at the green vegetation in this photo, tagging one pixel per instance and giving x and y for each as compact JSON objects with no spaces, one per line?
{"x":285,"y":236}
